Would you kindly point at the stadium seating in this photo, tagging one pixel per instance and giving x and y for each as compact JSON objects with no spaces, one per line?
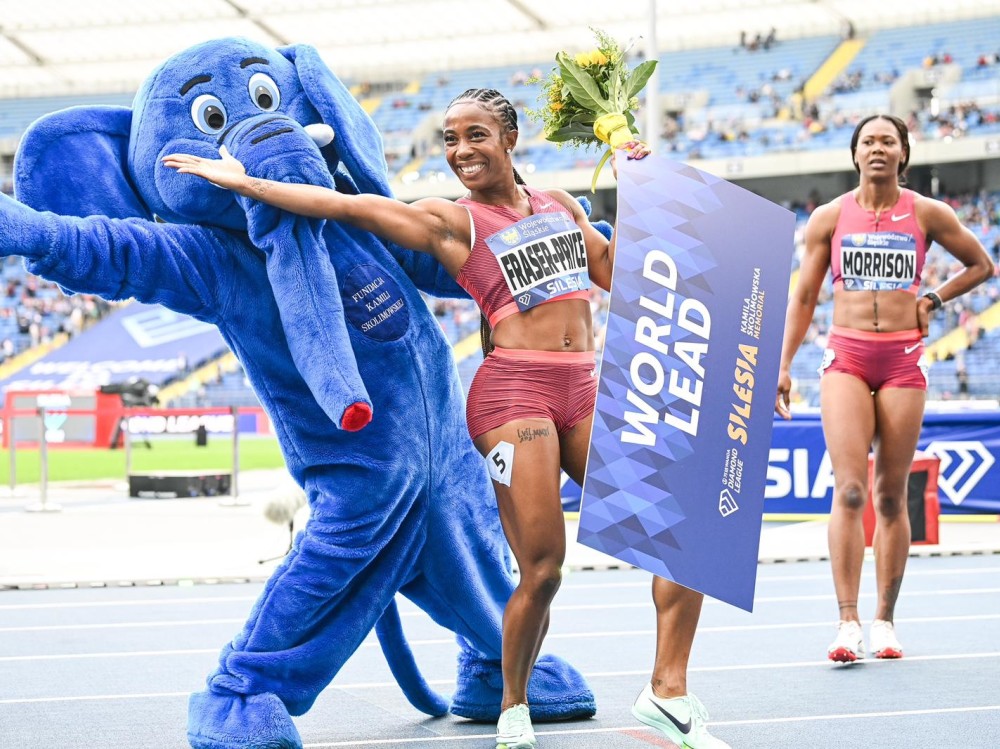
{"x":721,"y":102}
{"x":17,"y":114}
{"x":33,"y":311}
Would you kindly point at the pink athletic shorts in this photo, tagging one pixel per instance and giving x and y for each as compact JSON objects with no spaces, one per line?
{"x":516,"y":384}
{"x":881,"y":360}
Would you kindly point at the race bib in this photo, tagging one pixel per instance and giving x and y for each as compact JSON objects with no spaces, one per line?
{"x":541,"y":257}
{"x":878,"y":261}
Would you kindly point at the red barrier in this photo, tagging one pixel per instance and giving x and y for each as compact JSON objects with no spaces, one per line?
{"x":91,"y":418}
{"x":922,"y":501}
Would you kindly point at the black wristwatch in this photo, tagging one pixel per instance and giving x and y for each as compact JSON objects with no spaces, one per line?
{"x":936,"y":302}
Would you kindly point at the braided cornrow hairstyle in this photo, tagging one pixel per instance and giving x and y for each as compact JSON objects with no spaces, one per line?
{"x":506,"y":115}
{"x":499,"y":105}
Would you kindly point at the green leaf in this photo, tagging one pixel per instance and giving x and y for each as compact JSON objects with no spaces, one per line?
{"x":573,"y":130}
{"x":638,"y":77}
{"x":583,"y":118}
{"x":618,"y":103}
{"x":581,"y":85}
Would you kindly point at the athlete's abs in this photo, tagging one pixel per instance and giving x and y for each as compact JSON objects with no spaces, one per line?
{"x":896,"y":310}
{"x":556,"y":326}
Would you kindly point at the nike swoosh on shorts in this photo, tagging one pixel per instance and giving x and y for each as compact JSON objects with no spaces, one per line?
{"x":894,"y":217}
{"x":911,"y":349}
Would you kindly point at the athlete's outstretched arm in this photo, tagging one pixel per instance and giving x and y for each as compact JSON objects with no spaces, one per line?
{"x":428,"y":225}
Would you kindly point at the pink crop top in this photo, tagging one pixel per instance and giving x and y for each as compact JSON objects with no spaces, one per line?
{"x":877,"y":253}
{"x":518,"y":263}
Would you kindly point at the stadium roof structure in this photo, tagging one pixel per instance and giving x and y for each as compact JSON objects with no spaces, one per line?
{"x":65,"y":47}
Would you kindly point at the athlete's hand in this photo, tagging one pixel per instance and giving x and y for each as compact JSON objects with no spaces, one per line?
{"x":226,"y":172}
{"x":635,"y":149}
{"x":924,"y":306}
{"x":782,"y":401}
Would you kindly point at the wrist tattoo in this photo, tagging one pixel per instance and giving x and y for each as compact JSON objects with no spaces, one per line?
{"x":259,"y":187}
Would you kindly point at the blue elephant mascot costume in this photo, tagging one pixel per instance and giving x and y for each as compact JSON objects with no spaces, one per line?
{"x":340,"y":348}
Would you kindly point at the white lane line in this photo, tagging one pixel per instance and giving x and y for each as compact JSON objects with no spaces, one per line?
{"x":451,"y":641}
{"x":86,"y":697}
{"x":364,"y":685}
{"x":123,"y":625}
{"x":118,"y":654}
{"x":632,"y":729}
{"x":855,"y":716}
{"x":140,"y":602}
{"x":784,"y":599}
{"x":556,"y":608}
{"x":568,"y":586}
{"x":704,"y":669}
{"x":763,"y":576}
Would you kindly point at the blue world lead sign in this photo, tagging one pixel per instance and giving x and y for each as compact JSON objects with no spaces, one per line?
{"x":682,"y":429}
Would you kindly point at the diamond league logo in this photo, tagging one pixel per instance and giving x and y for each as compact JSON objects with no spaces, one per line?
{"x":973,"y":461}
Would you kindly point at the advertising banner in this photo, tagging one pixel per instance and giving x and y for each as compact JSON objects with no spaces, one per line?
{"x":139,"y":340}
{"x":800,"y":477}
{"x":683,"y":422}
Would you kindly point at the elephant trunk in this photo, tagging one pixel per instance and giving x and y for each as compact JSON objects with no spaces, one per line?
{"x":299,"y":267}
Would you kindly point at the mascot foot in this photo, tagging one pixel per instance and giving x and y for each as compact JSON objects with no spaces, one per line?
{"x":556,"y":691}
{"x":223,"y":720}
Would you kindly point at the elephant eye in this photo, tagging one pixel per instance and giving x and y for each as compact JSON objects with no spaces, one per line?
{"x":208,"y":114}
{"x":264,"y":92}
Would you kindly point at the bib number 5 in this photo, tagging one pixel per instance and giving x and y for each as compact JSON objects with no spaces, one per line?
{"x":500,"y":463}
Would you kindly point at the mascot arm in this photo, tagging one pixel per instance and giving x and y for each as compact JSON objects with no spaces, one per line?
{"x":602,"y":226}
{"x":427,"y":274}
{"x":115,"y":259}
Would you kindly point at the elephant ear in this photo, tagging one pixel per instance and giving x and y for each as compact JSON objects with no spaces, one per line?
{"x":356,"y":138}
{"x":74,"y":162}
{"x":359,"y":147}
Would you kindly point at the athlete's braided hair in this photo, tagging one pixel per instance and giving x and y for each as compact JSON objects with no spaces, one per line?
{"x":485,"y":335}
{"x":495,"y":102}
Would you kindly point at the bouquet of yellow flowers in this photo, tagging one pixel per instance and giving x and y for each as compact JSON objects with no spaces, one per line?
{"x":589,"y":98}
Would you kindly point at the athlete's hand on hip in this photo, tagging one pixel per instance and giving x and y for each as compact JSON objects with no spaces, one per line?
{"x":924,"y":307}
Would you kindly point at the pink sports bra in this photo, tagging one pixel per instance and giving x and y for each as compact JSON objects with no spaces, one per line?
{"x":518,"y":263}
{"x":870,"y":252}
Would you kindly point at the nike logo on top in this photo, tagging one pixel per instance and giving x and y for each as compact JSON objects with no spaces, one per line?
{"x":911,"y":349}
{"x":894,"y":217}
{"x":548,"y":205}
{"x":682,"y":727}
